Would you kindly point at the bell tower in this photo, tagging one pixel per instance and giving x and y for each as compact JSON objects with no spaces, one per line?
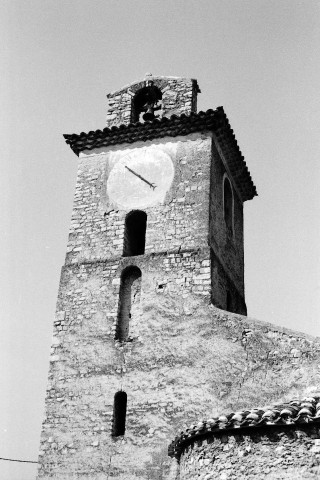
{"x":164,"y":96}
{"x":156,"y":237}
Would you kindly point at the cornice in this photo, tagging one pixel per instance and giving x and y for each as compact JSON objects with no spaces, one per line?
{"x":212,"y":121}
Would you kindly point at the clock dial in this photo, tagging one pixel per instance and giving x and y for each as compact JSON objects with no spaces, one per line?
{"x":140,"y":178}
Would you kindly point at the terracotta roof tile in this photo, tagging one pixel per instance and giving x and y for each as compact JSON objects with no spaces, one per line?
{"x":211,"y":120}
{"x":293,"y":413}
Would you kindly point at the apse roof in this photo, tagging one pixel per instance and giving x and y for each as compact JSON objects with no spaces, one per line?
{"x":294,"y":413}
{"x":211,"y":120}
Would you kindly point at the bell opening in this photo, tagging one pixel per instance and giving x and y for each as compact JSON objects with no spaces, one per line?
{"x":146,"y":101}
{"x":149,"y":115}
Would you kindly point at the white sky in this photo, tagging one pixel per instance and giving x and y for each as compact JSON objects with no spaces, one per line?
{"x":259,"y":59}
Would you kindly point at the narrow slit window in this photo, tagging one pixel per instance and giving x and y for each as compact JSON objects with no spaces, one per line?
{"x":228,"y":204}
{"x":135,"y":233}
{"x":119,"y":414}
{"x":129,"y":296}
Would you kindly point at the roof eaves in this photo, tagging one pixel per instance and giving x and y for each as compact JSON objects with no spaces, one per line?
{"x":211,"y":120}
{"x":286,"y":415}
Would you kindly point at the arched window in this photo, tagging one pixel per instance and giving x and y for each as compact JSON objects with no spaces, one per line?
{"x":135,"y":233}
{"x":129,"y":295}
{"x":119,"y":414}
{"x":228,"y":204}
{"x":145,"y":102}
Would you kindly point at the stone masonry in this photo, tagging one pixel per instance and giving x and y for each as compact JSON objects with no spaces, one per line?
{"x":182,"y":356}
{"x":186,"y":360}
{"x":273,"y":454}
{"x":179,"y":95}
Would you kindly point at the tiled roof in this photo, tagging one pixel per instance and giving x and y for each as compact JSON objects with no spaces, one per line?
{"x":211,"y":120}
{"x":293,"y":413}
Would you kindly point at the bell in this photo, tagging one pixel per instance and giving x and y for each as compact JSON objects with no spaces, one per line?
{"x":149,"y":115}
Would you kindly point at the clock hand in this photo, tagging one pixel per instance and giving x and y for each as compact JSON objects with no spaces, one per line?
{"x":151,"y":185}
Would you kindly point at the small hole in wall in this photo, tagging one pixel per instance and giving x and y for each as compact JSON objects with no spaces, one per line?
{"x":161,"y":287}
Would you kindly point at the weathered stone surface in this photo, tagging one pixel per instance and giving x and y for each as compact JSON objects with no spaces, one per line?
{"x":185,"y":220}
{"x":176,"y":369}
{"x":179,"y":95}
{"x":183,"y":359}
{"x":181,"y":221}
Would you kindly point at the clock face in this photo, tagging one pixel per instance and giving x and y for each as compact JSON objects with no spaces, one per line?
{"x":140,"y":178}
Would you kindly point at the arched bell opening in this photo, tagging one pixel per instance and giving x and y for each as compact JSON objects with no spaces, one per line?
{"x":135,"y":233}
{"x":146,"y":101}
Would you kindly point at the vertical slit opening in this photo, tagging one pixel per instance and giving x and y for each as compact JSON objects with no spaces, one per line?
{"x":119,"y":414}
{"x":135,"y":233}
{"x":129,"y":295}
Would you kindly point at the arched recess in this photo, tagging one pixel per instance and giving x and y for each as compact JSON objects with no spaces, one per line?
{"x":129,"y":296}
{"x":119,"y":414}
{"x":135,"y":233}
{"x":228,"y":204}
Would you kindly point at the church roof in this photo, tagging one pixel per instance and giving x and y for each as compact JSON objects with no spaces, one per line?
{"x":211,"y":120}
{"x":294,"y":413}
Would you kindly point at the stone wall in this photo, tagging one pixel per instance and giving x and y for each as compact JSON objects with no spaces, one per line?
{"x":180,"y":222}
{"x":274,"y":454}
{"x":222,"y":286}
{"x":185,"y":361}
{"x":227,"y":248}
{"x":183,"y":358}
{"x":179,"y":95}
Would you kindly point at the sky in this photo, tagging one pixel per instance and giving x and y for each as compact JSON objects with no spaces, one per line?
{"x":259,"y":59}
